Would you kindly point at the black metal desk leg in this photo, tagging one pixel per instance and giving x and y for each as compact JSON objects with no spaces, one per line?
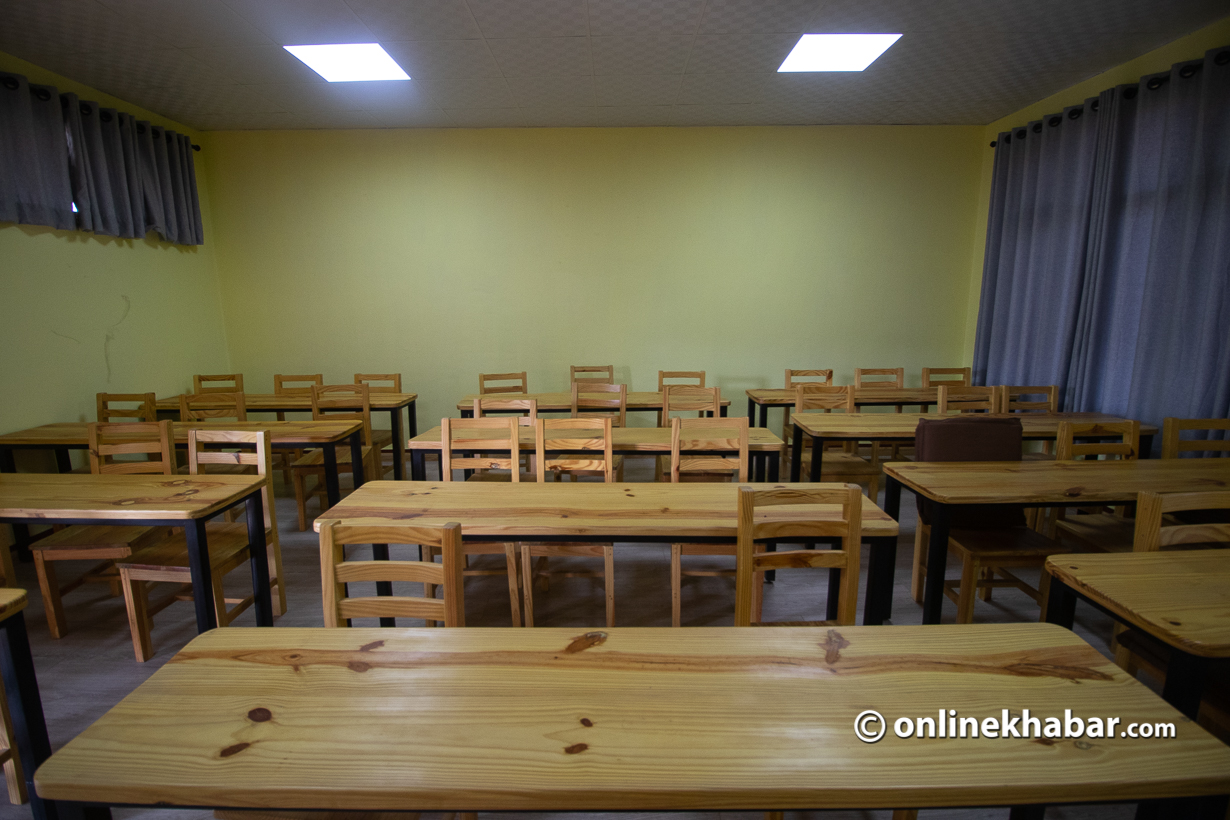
{"x":881,"y":569}
{"x":1026,"y":812}
{"x":937,"y":562}
{"x":1060,"y":604}
{"x":333,"y":489}
{"x":356,"y":459}
{"x":774,"y":466}
{"x":260,"y":561}
{"x":751,"y":412}
{"x":202,"y":588}
{"x":64,"y":463}
{"x":380,"y":552}
{"x":722,"y":411}
{"x":399,"y":447}
{"x":1189,"y":808}
{"x":1186,"y":676}
{"x":892,"y":498}
{"x":25,"y":707}
{"x":412,"y":429}
{"x":796,"y":452}
{"x":834,"y":598}
{"x":418,"y":465}
{"x":1146,"y":445}
{"x":759,"y":466}
{"x":817,"y":458}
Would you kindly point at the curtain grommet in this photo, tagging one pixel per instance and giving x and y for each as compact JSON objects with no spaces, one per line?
{"x":1075,"y":113}
{"x":1055,"y":120}
{"x":11,"y":83}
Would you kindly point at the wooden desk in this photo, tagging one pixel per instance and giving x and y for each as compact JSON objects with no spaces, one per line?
{"x":21,"y":692}
{"x":562,"y":402}
{"x":392,"y":403}
{"x":1180,"y":597}
{"x":1035,"y":484}
{"x":602,"y":512}
{"x":631,"y":719}
{"x":151,"y":501}
{"x":863,"y":396}
{"x":763,"y":446}
{"x":822,"y":427}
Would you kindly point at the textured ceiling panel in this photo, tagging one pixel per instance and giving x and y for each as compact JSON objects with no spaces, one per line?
{"x":218,"y":64}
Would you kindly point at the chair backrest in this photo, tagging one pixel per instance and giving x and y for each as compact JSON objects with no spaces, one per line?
{"x":590,"y":434}
{"x":794,"y":377}
{"x":260,"y":457}
{"x":606,"y":373}
{"x":150,"y":437}
{"x":343,"y":402}
{"x":693,"y":378}
{"x":1173,"y":443}
{"x":340,"y":604}
{"x":880,"y":377}
{"x":846,"y":524}
{"x":480,"y":435}
{"x":826,"y":397}
{"x":1012,"y":398}
{"x":973,"y":399}
{"x":528,"y":406}
{"x":1154,"y":530}
{"x":300,"y":385}
{"x":951,"y":376}
{"x":376,"y":382}
{"x":213,"y":407}
{"x":218,"y":383}
{"x":971,"y":438}
{"x":683,"y":398}
{"x":691,"y":435}
{"x":599,"y":398}
{"x":146,"y":409}
{"x":485,"y":388}
{"x":1127,"y":447}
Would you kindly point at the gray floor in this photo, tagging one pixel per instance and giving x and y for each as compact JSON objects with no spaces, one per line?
{"x":91,"y":668}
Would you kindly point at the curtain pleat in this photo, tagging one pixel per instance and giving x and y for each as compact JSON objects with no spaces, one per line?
{"x":124,"y":177}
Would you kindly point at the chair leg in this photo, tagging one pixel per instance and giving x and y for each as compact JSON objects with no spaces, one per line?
{"x":922,"y":535}
{"x":905,"y":814}
{"x":987,"y":574}
{"x":277,"y":578}
{"x":608,"y":577}
{"x":514,"y":591}
{"x":676,"y":580}
{"x":6,"y":565}
{"x":527,"y":584}
{"x":970,"y":573}
{"x":12,"y":765}
{"x":220,"y":612}
{"x":300,"y":500}
{"x":136,"y":601}
{"x":50,"y":587}
{"x":757,"y":597}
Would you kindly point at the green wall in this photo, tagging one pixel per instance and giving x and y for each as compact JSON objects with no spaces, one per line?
{"x":441,"y":254}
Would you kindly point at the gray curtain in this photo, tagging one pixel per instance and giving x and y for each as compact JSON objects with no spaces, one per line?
{"x":124,"y":176}
{"x":1107,"y":268}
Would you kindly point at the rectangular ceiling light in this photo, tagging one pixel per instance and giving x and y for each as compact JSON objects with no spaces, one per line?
{"x":837,"y":52}
{"x":349,"y":62}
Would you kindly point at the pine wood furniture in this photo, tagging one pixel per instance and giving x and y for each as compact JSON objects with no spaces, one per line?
{"x":152,"y":501}
{"x":1179,"y":597}
{"x":391,"y":403}
{"x":485,"y":386}
{"x":762,"y":445}
{"x":144,"y":411}
{"x":212,"y":406}
{"x":1035,"y":484}
{"x":867,"y":396}
{"x":337,"y":402}
{"x":844,"y":465}
{"x":561,"y":402}
{"x":1173,"y":443}
{"x":605,"y":373}
{"x":693,"y":378}
{"x":388,"y":384}
{"x":22,"y":707}
{"x":599,"y":399}
{"x":622,"y":719}
{"x":1012,"y":398}
{"x":973,"y":400}
{"x":656,"y":513}
{"x":949,"y":376}
{"x":1097,"y":529}
{"x":220,"y":383}
{"x":293,"y":385}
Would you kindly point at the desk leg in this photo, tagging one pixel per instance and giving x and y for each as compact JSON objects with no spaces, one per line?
{"x":468,"y":413}
{"x":202,"y":588}
{"x":881,"y":567}
{"x":775,"y":459}
{"x":1026,"y":812}
{"x":333,"y":489}
{"x":764,"y":415}
{"x":817,"y":458}
{"x":796,"y":452}
{"x":1146,"y":445}
{"x":356,"y":459}
{"x":25,"y":708}
{"x":722,"y":411}
{"x":21,"y":532}
{"x":751,"y":412}
{"x":413,"y":418}
{"x":399,"y":448}
{"x":259,"y":550}
{"x":1186,"y":676}
{"x":937,"y":560}
{"x":418,"y":465}
{"x":380,"y":552}
{"x":1189,"y":808}
{"x":892,"y":498}
{"x":64,"y":464}
{"x":1060,"y":603}
{"x":759,"y":466}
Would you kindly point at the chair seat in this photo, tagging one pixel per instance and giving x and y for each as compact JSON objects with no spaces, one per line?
{"x":1027,"y":546}
{"x":1104,"y":532}
{"x":382,"y":438}
{"x":228,"y":547}
{"x":95,"y":538}
{"x":316,"y":458}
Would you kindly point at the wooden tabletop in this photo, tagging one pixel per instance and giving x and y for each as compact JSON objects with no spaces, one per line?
{"x":563,"y":401}
{"x":490,"y":510}
{"x":781,"y":397}
{"x":73,"y":433}
{"x":622,"y":719}
{"x":33,"y":496}
{"x":884,"y":426}
{"x":634,"y":439}
{"x":1181,"y":597}
{"x":1054,"y":482}
{"x":12,"y":601}
{"x":271,"y":402}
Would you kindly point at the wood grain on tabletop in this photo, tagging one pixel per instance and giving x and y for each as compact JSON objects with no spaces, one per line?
{"x":267,"y":402}
{"x":1053,"y":482}
{"x":1179,"y":596}
{"x":647,"y":439}
{"x":73,"y":433}
{"x":623,"y":719}
{"x":872,"y":425}
{"x":637,"y":400}
{"x":119,"y":497}
{"x":486,"y":509}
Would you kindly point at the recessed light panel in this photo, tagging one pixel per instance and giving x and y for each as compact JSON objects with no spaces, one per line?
{"x":837,"y":52}
{"x":349,"y":62}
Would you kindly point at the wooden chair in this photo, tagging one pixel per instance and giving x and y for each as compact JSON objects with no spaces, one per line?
{"x":693,"y":378}
{"x":686,"y":466}
{"x":337,"y":402}
{"x":881,"y":377}
{"x":1174,"y":445}
{"x":1012,"y":399}
{"x":103,"y":543}
{"x":168,"y":561}
{"x":949,"y":376}
{"x":382,"y":439}
{"x":793,"y":379}
{"x":592,"y":435}
{"x":992,"y":541}
{"x":593,"y":399}
{"x":840,"y":463}
{"x":340,"y":602}
{"x":225,"y":383}
{"x":750,"y":564}
{"x":1096,"y":529}
{"x":291,"y":385}
{"x":681,"y":398}
{"x":213,"y":406}
{"x":146,"y":407}
{"x":486,"y":388}
{"x":13,"y":773}
{"x":982,"y":400}
{"x":607,"y":371}
{"x":528,"y":415}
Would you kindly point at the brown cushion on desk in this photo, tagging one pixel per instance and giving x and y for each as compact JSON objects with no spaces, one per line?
{"x":971,"y":438}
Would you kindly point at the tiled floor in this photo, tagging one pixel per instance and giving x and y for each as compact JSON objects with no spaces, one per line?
{"x":90,"y":669}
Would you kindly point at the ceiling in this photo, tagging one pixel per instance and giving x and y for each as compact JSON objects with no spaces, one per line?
{"x":219,"y":65}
